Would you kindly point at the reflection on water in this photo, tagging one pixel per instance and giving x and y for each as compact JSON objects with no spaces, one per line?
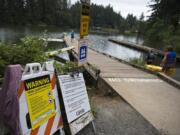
{"x":131,"y":39}
{"x":102,"y":44}
{"x":54,"y":46}
{"x":64,"y":55}
{"x":14,"y":34}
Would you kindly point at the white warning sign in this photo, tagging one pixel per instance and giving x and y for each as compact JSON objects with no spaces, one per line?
{"x":75,"y":96}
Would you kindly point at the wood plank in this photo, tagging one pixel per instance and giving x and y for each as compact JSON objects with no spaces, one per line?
{"x":155,"y":99}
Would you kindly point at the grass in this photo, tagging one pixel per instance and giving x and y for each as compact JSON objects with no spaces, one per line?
{"x":137,"y":61}
{"x":91,"y":92}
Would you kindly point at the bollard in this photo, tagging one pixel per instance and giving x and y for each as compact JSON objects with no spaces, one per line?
{"x":9,"y":104}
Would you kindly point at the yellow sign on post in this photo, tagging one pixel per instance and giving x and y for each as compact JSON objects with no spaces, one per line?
{"x":40,"y":100}
{"x":84,"y":30}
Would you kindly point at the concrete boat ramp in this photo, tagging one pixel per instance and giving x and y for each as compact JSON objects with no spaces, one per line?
{"x":155,"y":99}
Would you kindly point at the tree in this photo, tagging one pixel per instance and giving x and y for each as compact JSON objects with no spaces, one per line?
{"x":75,"y":15}
{"x":11,"y":11}
{"x":131,"y":22}
{"x":59,"y":13}
{"x":2,"y":11}
{"x":166,"y":10}
{"x":163,"y":24}
{"x":141,"y":26}
{"x":30,"y":49}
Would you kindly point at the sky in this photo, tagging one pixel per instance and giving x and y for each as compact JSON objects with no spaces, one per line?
{"x":135,"y":7}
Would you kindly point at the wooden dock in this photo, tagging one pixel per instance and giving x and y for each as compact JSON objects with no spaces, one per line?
{"x":141,"y":48}
{"x":155,"y":99}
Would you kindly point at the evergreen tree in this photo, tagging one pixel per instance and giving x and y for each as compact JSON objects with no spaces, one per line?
{"x":166,"y":10}
{"x":131,"y":22}
{"x":60,"y":13}
{"x":141,"y":26}
{"x":163,"y":24}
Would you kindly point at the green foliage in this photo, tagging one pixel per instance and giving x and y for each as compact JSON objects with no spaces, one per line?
{"x":59,"y":13}
{"x":92,"y":91}
{"x":141,"y":26}
{"x":75,"y":15}
{"x":30,"y":49}
{"x":131,"y":22}
{"x":160,"y":35}
{"x":167,"y":10}
{"x":66,"y":68}
{"x":48,"y":12}
{"x":137,"y":61}
{"x":106,"y":16}
{"x":163,"y":25}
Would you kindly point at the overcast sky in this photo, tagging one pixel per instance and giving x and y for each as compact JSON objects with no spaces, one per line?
{"x":135,"y":7}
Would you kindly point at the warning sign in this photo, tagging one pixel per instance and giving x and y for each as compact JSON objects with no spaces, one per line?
{"x":40,"y":100}
{"x":84,"y":29}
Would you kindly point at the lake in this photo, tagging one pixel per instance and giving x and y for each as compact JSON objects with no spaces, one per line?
{"x":98,"y":42}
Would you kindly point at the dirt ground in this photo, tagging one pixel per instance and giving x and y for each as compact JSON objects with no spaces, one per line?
{"x":113,"y":116}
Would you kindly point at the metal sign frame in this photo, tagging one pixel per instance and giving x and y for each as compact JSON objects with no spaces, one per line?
{"x":73,"y":127}
{"x":54,"y":122}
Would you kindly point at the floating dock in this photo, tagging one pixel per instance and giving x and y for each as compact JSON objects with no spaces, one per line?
{"x":154,"y":98}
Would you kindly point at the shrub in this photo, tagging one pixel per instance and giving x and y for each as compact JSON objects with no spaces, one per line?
{"x":67,"y":67}
{"x":160,"y":35}
{"x":30,"y":49}
{"x":137,"y":61}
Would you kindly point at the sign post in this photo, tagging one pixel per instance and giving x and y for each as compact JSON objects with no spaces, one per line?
{"x":84,"y":31}
{"x":85,"y":18}
{"x":73,"y":91}
{"x":85,"y":1}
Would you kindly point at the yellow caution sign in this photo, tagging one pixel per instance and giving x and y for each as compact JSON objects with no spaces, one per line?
{"x":84,"y":29}
{"x":40,"y":100}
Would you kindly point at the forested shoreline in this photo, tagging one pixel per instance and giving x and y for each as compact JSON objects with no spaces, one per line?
{"x":163,"y":26}
{"x":60,"y":13}
{"x":159,"y":30}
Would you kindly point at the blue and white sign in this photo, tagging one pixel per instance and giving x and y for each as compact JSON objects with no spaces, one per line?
{"x":82,"y":52}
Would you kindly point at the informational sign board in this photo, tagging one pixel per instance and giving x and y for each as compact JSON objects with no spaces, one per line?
{"x":82,"y":52}
{"x":75,"y":96}
{"x":40,"y":100}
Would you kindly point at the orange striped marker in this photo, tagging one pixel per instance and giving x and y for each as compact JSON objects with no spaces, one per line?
{"x":21,"y":89}
{"x":35,"y":131}
{"x":49,"y":125}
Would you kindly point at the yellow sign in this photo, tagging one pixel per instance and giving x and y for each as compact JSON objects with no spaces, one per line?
{"x":84,"y":30}
{"x":40,"y":100}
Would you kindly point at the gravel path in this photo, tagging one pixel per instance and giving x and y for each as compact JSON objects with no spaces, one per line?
{"x":113,"y":116}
